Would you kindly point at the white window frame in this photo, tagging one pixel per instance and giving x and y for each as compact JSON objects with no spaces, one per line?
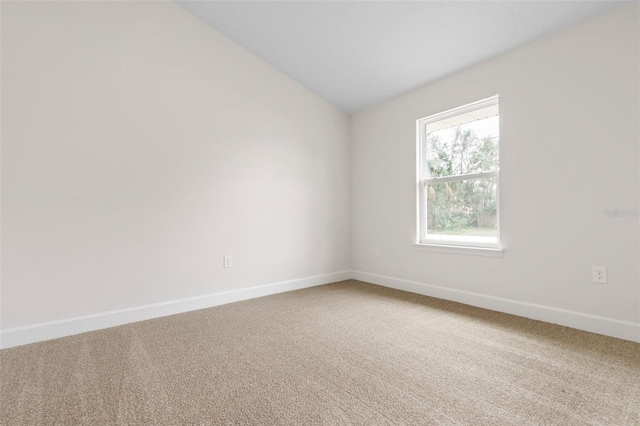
{"x":449,"y":243}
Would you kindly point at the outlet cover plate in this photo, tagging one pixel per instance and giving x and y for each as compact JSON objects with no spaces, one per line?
{"x":599,"y":274}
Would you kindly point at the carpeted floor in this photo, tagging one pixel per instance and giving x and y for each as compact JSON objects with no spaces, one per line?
{"x":344,"y":353}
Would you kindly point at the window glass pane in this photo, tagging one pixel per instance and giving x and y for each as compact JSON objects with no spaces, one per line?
{"x":457,"y":146}
{"x":462,"y":207}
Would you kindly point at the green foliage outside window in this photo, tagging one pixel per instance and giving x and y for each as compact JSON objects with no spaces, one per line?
{"x":467,"y":205}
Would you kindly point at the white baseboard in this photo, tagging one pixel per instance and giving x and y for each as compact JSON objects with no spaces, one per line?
{"x":626,"y":330}
{"x":51,"y":330}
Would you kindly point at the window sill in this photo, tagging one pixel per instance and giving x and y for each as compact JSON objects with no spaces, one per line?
{"x":464,"y":250}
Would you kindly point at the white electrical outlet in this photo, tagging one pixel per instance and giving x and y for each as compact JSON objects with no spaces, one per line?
{"x":599,"y":274}
{"x":228,"y":261}
{"x":376,"y":251}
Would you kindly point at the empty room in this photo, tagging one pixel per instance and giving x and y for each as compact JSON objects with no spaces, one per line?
{"x":320,"y":212}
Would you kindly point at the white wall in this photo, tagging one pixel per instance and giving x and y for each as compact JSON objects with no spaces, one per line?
{"x":139,"y":146}
{"x":570,"y":116}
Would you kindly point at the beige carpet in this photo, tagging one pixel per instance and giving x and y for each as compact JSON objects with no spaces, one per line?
{"x":345,"y":353}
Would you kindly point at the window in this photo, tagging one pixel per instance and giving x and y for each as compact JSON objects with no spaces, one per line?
{"x":458,"y":166}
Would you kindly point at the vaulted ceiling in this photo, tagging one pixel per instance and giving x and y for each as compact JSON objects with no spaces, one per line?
{"x":357,"y":53}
